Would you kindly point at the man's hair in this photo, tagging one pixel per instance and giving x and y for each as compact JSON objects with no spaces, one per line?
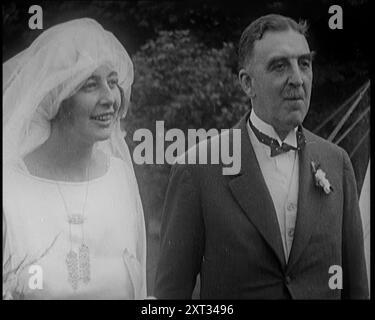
{"x":256,"y":30}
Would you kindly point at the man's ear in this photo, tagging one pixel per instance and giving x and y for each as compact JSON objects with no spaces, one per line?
{"x":246,"y":83}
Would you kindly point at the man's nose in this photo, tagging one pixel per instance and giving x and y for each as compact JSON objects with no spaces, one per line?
{"x":295,"y":77}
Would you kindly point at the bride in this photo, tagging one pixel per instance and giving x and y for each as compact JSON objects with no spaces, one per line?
{"x":72,"y":216}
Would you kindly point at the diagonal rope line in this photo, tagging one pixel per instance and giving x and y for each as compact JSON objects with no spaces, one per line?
{"x":359,"y":143}
{"x":352,"y":126}
{"x":348,"y":113}
{"x":346,"y":102}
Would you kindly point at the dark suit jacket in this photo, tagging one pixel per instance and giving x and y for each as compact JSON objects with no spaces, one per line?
{"x":226,"y":229}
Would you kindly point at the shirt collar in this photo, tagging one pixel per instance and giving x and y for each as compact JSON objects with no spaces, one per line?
{"x":267,"y":129}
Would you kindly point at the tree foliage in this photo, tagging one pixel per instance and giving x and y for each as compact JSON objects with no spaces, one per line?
{"x":187,"y":85}
{"x":181,"y":81}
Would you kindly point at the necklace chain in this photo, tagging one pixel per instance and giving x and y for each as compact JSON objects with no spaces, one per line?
{"x":85,"y":200}
{"x":78,"y":265}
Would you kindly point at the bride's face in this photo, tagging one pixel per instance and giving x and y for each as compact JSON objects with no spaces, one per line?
{"x":91,"y":112}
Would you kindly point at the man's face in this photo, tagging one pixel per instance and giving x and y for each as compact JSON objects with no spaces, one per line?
{"x":281,"y":77}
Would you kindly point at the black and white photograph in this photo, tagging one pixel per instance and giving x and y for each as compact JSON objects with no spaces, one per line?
{"x":204,"y":150}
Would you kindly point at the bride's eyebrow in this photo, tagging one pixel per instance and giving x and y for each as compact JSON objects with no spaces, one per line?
{"x":112,"y":74}
{"x":92,"y":77}
{"x":97,"y":77}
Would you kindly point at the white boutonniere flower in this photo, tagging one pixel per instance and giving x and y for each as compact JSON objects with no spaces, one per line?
{"x":320,"y":178}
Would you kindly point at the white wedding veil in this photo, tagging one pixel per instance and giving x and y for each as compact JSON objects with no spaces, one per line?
{"x":50,"y":70}
{"x":36,"y":81}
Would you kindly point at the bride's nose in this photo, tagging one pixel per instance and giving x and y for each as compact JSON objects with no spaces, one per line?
{"x":107,"y":96}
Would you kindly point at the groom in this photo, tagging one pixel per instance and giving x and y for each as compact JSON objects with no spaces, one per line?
{"x":288,"y":225}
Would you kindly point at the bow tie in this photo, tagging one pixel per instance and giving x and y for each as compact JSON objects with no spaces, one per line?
{"x":276,"y":149}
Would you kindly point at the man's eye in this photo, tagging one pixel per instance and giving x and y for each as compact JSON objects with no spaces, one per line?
{"x":279,"y":66}
{"x":305,"y":64}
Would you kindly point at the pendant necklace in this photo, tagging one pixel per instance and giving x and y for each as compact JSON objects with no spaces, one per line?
{"x":78,"y":264}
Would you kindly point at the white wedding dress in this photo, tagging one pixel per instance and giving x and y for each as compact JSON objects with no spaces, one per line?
{"x":37,"y":233}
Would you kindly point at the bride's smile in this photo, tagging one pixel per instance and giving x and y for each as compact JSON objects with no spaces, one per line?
{"x":91,"y":112}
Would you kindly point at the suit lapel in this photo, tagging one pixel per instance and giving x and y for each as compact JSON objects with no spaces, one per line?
{"x":309,"y":201}
{"x":251,"y":192}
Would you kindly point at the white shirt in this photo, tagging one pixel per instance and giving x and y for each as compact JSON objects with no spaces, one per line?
{"x":35,"y":215}
{"x":281,"y":176}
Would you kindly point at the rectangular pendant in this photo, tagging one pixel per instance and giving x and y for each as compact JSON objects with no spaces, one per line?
{"x":84,"y":263}
{"x":76,"y":218}
{"x":72,"y":266}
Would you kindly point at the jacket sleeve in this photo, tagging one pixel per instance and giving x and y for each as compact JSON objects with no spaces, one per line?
{"x":355,"y":285}
{"x":182,"y":237}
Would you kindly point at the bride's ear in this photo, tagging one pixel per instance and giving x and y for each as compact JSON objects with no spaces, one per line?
{"x":122,"y":107}
{"x":246,"y":83}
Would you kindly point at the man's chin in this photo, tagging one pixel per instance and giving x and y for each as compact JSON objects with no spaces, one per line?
{"x":295,"y":121}
{"x":296,"y":117}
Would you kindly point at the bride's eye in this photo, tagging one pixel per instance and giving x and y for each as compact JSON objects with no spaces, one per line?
{"x":90,"y":84}
{"x":112,"y":82}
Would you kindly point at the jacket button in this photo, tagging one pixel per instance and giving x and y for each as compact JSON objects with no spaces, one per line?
{"x":288,"y":280}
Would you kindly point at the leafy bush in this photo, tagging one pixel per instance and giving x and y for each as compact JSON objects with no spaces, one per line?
{"x":181,"y":81}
